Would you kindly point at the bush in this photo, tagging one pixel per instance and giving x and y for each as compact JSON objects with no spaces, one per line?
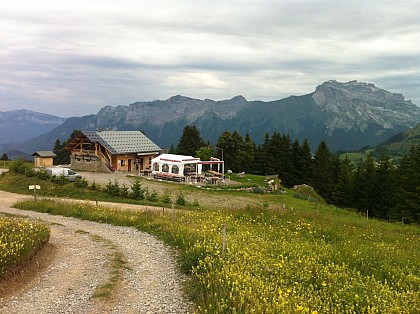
{"x":167,"y":198}
{"x":81,"y":183}
{"x":61,"y":179}
{"x":137,"y":192}
{"x":180,"y":200}
{"x":42,"y":175}
{"x":124,"y":190}
{"x":258,"y":190}
{"x":113,"y":188}
{"x":19,"y":166}
{"x":152,"y":196}
{"x":94,"y":186}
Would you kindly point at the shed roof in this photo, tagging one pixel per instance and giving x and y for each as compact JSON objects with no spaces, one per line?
{"x":122,"y":142}
{"x":44,"y":153}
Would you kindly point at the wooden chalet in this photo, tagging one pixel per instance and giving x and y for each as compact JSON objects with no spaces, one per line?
{"x":105,"y":151}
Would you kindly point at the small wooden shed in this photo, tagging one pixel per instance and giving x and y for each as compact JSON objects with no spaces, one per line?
{"x":44,"y":158}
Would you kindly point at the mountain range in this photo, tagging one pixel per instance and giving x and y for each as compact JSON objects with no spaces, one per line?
{"x":20,"y":125}
{"x":347,"y":116}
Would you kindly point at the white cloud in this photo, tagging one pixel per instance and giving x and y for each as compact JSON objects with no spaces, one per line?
{"x":55,"y":54}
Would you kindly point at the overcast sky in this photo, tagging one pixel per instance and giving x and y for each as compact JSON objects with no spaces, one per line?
{"x":71,"y":58}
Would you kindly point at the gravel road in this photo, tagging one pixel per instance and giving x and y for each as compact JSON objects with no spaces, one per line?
{"x":79,"y":262}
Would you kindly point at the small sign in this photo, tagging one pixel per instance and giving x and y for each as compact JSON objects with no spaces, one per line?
{"x":34,"y":187}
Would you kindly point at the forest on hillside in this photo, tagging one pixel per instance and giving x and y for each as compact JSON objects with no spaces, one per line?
{"x":378,"y":187}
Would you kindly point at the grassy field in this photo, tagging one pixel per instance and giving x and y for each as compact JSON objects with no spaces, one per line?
{"x":304,"y":258}
{"x":280,"y":253}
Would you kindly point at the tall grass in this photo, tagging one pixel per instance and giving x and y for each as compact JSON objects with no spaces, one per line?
{"x":305,"y":258}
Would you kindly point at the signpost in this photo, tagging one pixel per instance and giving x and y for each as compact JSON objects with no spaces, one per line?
{"x":35,"y":187}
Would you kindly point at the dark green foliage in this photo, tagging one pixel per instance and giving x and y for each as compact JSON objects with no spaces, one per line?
{"x":190,"y":141}
{"x":113,"y":188}
{"x":4,"y":157}
{"x":63,"y":156}
{"x":166,"y":199}
{"x":234,"y":151}
{"x":407,"y":207}
{"x":124,"y":190}
{"x":152,"y":196}
{"x":81,"y":183}
{"x":43,"y":175}
{"x":180,"y":200}
{"x":137,"y":192}
{"x":323,"y":172}
{"x":94,"y":186}
{"x":19,"y":166}
{"x":61,"y":179}
{"x":204,"y":153}
{"x":343,"y":190}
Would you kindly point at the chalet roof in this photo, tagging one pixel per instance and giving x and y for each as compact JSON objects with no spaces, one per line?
{"x":122,"y":142}
{"x":44,"y":153}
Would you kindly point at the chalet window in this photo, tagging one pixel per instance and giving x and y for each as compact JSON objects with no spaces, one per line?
{"x":156,"y":166}
{"x":122,"y":162}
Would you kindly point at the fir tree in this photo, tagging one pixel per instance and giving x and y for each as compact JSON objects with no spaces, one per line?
{"x":323,"y":172}
{"x":190,"y":141}
{"x":342,"y":194}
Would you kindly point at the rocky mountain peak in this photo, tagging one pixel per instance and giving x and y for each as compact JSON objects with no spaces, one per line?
{"x":357,"y":105}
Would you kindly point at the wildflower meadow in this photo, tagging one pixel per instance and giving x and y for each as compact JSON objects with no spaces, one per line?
{"x":19,"y":239}
{"x":312,"y":258}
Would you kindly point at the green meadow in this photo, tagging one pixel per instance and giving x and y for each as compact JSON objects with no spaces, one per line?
{"x":273,"y":252}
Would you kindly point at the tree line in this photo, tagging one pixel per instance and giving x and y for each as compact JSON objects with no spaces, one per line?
{"x":380,"y":188}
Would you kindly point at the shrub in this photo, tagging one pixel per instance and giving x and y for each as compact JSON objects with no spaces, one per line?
{"x":81,"y":183}
{"x":42,"y":175}
{"x":94,"y":186}
{"x":113,"y":188}
{"x":137,"y":192}
{"x":152,"y":196}
{"x":167,"y":198}
{"x":19,"y":166}
{"x":180,"y":200}
{"x":61,"y":179}
{"x":124,"y":190}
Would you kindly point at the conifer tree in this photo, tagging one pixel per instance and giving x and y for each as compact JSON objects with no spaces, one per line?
{"x":190,"y":141}
{"x":232,"y":145}
{"x":249,"y":153}
{"x":323,"y":172}
{"x":342,"y":194}
{"x":407,"y":207}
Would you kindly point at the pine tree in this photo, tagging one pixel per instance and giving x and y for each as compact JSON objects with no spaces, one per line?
{"x":385,"y":186}
{"x":342,"y":194}
{"x":307,"y":162}
{"x":407,"y":208}
{"x":323,"y":172}
{"x":249,"y":153}
{"x":190,"y":141}
{"x":234,"y":154}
